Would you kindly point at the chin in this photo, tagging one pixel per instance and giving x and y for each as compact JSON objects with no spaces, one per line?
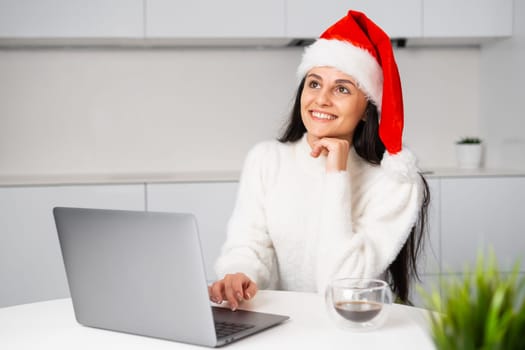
{"x":321,"y":135}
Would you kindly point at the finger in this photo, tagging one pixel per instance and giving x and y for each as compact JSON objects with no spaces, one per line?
{"x":317,"y":149}
{"x":336,"y":151}
{"x":217,"y":291}
{"x":229,"y":292}
{"x":327,"y":144}
{"x":237,"y":285}
{"x":250,"y":290}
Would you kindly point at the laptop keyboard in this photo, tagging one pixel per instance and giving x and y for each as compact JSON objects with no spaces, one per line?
{"x":224,"y":329}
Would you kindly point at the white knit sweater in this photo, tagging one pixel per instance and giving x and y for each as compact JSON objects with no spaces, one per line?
{"x":296,"y":227}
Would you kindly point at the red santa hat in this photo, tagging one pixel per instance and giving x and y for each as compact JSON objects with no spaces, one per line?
{"x":358,"y":47}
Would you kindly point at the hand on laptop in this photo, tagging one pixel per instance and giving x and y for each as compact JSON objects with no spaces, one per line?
{"x":234,"y":288}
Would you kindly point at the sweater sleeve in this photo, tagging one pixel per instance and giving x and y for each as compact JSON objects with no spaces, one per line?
{"x":248,"y":247}
{"x":365,"y":242}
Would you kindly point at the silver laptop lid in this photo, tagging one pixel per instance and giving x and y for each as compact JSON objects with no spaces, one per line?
{"x":119,"y":274}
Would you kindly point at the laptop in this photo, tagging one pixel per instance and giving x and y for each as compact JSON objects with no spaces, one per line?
{"x":143,"y":273}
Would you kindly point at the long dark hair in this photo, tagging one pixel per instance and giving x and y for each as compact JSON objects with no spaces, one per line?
{"x":369,"y":146}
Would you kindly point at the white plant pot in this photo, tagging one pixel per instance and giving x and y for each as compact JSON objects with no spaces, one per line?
{"x":469,"y":156}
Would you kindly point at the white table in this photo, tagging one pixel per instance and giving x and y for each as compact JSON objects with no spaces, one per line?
{"x":52,"y":325}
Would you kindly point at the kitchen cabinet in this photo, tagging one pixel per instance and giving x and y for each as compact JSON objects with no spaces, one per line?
{"x":31,"y":267}
{"x":429,"y":263}
{"x":211,"y":203}
{"x":467,"y":18}
{"x":56,"y":19}
{"x":237,"y":22}
{"x":411,"y":19}
{"x":308,"y":19}
{"x":482,"y":213}
{"x":209,"y":19}
{"x":431,"y":257}
{"x":467,"y":214}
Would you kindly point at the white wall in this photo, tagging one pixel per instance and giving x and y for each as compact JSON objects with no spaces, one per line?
{"x":441,"y":96}
{"x":161,"y":110}
{"x":502,"y":78}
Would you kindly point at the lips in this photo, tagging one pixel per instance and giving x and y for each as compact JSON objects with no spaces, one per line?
{"x":322,"y":115}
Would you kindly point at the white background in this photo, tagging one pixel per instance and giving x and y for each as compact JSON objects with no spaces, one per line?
{"x":124,"y":110}
{"x":163,"y":110}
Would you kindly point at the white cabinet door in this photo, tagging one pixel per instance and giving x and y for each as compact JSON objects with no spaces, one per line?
{"x":309,"y":19}
{"x":71,"y":19}
{"x":421,"y":289}
{"x":431,"y":256}
{"x":428,"y":265}
{"x":214,"y":19}
{"x":31,"y":267}
{"x":467,"y":18}
{"x":211,"y":203}
{"x":478,"y":213}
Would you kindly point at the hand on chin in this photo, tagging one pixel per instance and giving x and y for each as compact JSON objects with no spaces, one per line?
{"x":335,"y":149}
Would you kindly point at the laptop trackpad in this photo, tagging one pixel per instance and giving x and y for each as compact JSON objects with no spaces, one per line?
{"x":258,"y":319}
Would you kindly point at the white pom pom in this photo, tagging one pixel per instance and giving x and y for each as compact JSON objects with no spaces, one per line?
{"x":401,"y":165}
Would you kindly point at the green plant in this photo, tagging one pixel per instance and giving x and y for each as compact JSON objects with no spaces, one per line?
{"x":483,"y":310}
{"x":469,"y":141}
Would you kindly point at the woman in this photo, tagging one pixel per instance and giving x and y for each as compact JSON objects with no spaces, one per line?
{"x":337,"y":195}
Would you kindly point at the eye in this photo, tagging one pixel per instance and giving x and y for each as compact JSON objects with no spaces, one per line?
{"x":314,"y":84}
{"x":342,"y":89}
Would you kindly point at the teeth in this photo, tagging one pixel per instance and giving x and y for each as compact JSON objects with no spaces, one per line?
{"x":323,"y":115}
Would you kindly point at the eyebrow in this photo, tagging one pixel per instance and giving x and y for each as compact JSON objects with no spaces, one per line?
{"x":338,"y":81}
{"x":345,"y":81}
{"x":314,"y":76}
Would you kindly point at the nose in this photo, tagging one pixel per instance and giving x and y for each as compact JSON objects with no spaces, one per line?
{"x":323,"y":97}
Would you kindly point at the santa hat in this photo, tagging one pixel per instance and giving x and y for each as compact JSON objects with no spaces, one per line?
{"x":358,"y":47}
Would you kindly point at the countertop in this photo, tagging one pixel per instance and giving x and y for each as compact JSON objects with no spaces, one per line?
{"x":52,"y":325}
{"x":482,"y":172}
{"x":130,"y":178}
{"x":204,"y":176}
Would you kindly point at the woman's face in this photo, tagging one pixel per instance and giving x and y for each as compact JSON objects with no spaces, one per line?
{"x":331,"y":104}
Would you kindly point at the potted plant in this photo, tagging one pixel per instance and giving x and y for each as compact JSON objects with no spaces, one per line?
{"x":469,"y":152}
{"x":483,"y":310}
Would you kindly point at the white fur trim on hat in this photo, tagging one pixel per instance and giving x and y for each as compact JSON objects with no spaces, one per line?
{"x":401,"y":165}
{"x":349,"y":59}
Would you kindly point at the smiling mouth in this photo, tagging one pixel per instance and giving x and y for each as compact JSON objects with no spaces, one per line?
{"x":323,"y":116}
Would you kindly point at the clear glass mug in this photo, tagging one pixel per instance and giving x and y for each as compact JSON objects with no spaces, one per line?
{"x":358,"y":303}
